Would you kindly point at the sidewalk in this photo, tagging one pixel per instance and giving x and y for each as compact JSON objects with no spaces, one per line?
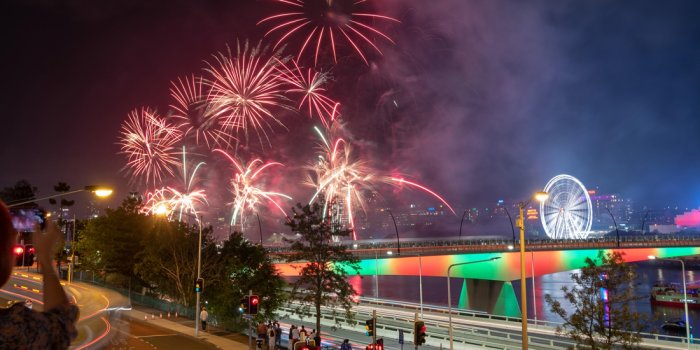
{"x":217,"y":337}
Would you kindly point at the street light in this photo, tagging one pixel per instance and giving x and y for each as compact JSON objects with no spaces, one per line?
{"x":398,"y":243}
{"x":449,"y":293}
{"x":101,"y":192}
{"x":541,"y":197}
{"x":617,"y":232}
{"x":685,"y":294}
{"x":461,"y":222}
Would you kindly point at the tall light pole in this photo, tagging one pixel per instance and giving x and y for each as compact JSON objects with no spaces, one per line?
{"x":685,"y":295}
{"x":449,"y":293}
{"x":199,"y":275}
{"x":617,"y":232}
{"x":260,"y":228}
{"x":398,"y":243}
{"x":540,"y":196}
{"x":532,"y":256}
{"x":460,"y":225}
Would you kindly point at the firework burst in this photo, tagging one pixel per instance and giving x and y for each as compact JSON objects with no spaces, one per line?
{"x":149,"y":144}
{"x":244,"y":91}
{"x":310,"y":85}
{"x":178,"y":202}
{"x":189,"y":111}
{"x":246,"y":187}
{"x":341,"y":179}
{"x":344,"y":181}
{"x":326,"y":22}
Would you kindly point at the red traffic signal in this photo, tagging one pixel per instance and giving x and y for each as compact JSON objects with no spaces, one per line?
{"x":18,"y":250}
{"x":253,"y":302}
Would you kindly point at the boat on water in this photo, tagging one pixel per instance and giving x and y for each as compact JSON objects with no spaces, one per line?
{"x":675,"y":326}
{"x":671,"y":294}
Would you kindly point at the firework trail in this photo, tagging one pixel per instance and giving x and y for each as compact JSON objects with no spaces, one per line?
{"x":189,"y":111}
{"x":246,"y":187}
{"x":345,"y":181}
{"x":341,"y":179}
{"x":171,"y":201}
{"x":310,"y":85}
{"x":325,"y":22}
{"x":149,"y":144}
{"x":244,"y":90}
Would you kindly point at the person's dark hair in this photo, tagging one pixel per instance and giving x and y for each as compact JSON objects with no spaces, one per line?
{"x":7,"y":240}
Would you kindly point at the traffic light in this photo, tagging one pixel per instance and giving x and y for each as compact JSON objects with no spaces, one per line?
{"x":198,"y":285}
{"x":380,"y":344}
{"x":243,"y":305}
{"x":369,"y":327}
{"x":18,"y":251}
{"x":253,"y":303}
{"x":419,"y":333}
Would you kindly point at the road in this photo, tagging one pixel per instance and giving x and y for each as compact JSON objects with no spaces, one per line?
{"x":102,"y":323}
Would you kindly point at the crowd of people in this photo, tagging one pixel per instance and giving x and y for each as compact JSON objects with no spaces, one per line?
{"x":271,"y":335}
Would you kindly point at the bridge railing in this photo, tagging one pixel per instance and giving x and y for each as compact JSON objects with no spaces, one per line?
{"x":414,"y":248}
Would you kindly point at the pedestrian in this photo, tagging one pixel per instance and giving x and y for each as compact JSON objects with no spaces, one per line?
{"x":278,"y":334}
{"x":311,"y":337}
{"x":295,"y":336}
{"x":271,"y":334}
{"x":302,"y":334}
{"x":204,"y":316}
{"x":346,"y":345}
{"x":262,"y":330}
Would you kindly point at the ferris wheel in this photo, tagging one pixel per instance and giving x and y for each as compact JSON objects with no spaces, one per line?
{"x":567,"y":213}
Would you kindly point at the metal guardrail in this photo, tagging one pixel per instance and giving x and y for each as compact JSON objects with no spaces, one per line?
{"x":483,"y":315}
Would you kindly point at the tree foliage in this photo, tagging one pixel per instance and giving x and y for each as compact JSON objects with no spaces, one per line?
{"x":169,"y":259}
{"x":112,"y":243}
{"x":324,"y":266}
{"x":20,"y":192}
{"x":600,"y":300}
{"x":244,"y":267}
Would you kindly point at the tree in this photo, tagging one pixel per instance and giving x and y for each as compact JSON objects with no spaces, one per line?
{"x":244,"y":267}
{"x":600,"y":301}
{"x":61,"y":187}
{"x":112,"y":243}
{"x":169,"y":259}
{"x":323,"y":279}
{"x":20,"y":192}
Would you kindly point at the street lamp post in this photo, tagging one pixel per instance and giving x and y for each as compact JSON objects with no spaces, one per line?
{"x":511,"y":223}
{"x":685,"y":295}
{"x":199,"y":275}
{"x":617,"y":232}
{"x":449,"y":294}
{"x":398,"y":243}
{"x":540,"y":196}
{"x":98,"y":191}
{"x":461,"y":222}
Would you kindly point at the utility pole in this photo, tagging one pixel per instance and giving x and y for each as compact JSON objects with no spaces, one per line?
{"x":374,"y":329}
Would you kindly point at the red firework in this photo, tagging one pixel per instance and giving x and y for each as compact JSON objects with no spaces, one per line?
{"x":310,"y":85}
{"x":149,"y":144}
{"x":244,"y":90}
{"x":327,"y":21}
{"x":189,"y":111}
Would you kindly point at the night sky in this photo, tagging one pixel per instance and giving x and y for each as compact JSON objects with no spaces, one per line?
{"x":480,"y":100}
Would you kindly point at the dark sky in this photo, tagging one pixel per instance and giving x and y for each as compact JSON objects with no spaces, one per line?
{"x":479,"y":100}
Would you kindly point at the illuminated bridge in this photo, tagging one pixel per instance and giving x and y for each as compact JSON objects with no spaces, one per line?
{"x":491,"y":281}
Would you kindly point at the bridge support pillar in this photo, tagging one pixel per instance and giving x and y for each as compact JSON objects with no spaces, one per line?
{"x":493,"y":297}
